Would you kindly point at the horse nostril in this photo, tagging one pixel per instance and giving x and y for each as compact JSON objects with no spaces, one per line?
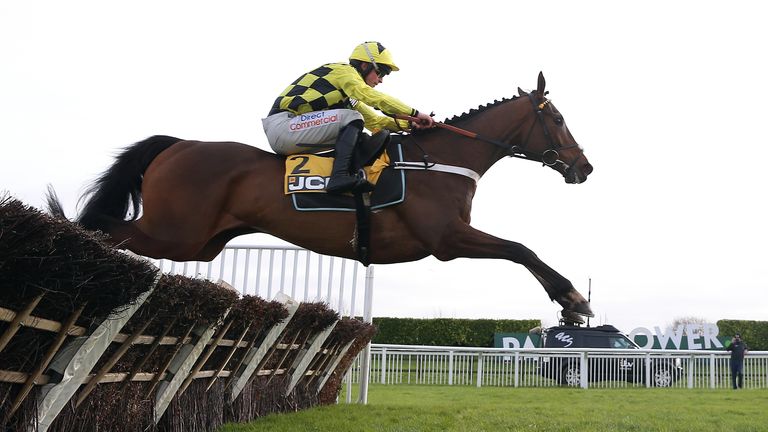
{"x":587,"y":169}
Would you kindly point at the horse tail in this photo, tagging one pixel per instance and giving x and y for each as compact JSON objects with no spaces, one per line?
{"x":120,"y":185}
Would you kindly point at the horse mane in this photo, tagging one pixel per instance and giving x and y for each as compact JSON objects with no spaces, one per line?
{"x":472,"y":112}
{"x":463,"y":116}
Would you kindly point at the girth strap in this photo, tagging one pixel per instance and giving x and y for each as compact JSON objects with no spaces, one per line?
{"x":363,"y":227}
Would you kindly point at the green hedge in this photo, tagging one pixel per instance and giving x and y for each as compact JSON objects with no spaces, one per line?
{"x":754,"y":333}
{"x":479,"y":333}
{"x":446,"y":331}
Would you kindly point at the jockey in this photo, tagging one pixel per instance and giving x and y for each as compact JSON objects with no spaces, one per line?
{"x":331,"y":105}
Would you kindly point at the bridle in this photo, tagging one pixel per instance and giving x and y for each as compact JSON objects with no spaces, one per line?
{"x":549,"y":157}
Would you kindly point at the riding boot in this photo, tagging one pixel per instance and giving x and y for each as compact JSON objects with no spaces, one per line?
{"x":377,"y":140}
{"x":341,"y":181}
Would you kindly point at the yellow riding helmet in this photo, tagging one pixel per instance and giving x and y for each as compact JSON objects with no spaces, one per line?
{"x":373,"y":52}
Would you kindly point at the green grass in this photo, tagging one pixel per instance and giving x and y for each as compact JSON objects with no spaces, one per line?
{"x":442,"y":408}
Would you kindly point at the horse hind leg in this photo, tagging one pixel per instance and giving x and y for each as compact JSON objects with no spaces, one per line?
{"x":129,"y":236}
{"x":216,"y":244}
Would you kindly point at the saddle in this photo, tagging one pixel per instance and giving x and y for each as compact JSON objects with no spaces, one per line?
{"x":307,"y":174}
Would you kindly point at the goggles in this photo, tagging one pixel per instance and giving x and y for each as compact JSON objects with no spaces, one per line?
{"x":382,"y":70}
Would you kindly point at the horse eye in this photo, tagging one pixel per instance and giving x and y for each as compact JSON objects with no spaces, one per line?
{"x":558,"y":120}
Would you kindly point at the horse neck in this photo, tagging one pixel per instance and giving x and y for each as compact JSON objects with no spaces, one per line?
{"x":505,"y":122}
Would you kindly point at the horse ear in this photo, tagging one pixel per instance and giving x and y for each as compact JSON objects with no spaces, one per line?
{"x":541,"y":85}
{"x":520,"y":92}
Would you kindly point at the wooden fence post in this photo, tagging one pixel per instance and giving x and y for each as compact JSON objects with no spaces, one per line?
{"x":254,"y":356}
{"x":75,"y":365}
{"x":16,"y":322}
{"x":303,"y":358}
{"x":329,"y":371}
{"x":181,"y":366}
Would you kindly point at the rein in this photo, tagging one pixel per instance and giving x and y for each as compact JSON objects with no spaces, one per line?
{"x":463,"y":132}
{"x":549,"y":157}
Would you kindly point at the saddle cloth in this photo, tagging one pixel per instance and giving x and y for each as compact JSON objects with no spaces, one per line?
{"x":307,"y":174}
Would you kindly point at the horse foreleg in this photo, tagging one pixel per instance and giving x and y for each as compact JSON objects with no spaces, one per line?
{"x":463,"y":241}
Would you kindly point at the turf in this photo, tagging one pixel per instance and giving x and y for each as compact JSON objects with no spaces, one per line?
{"x":442,"y":408}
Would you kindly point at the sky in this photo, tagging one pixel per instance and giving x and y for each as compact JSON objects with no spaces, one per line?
{"x":667,"y":99}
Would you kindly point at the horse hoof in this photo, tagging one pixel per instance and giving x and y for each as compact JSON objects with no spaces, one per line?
{"x":575,"y":302}
{"x":571,"y":317}
{"x":582,"y":308}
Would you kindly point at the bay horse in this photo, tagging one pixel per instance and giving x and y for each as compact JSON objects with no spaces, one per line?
{"x":196,"y":196}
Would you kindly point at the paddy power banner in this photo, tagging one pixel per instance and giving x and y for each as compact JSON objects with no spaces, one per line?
{"x":683,"y":337}
{"x":516,"y":340}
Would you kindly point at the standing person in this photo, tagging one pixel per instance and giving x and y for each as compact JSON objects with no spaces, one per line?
{"x":330,"y":105}
{"x":738,"y":349}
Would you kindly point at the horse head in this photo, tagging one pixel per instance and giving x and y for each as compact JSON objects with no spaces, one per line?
{"x":549,"y":141}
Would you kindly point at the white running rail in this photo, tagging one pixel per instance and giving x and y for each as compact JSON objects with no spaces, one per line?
{"x":344,"y":284}
{"x":268,"y":270}
{"x":539,"y":367}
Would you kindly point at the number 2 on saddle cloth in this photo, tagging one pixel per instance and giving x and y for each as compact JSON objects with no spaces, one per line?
{"x":307,"y":174}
